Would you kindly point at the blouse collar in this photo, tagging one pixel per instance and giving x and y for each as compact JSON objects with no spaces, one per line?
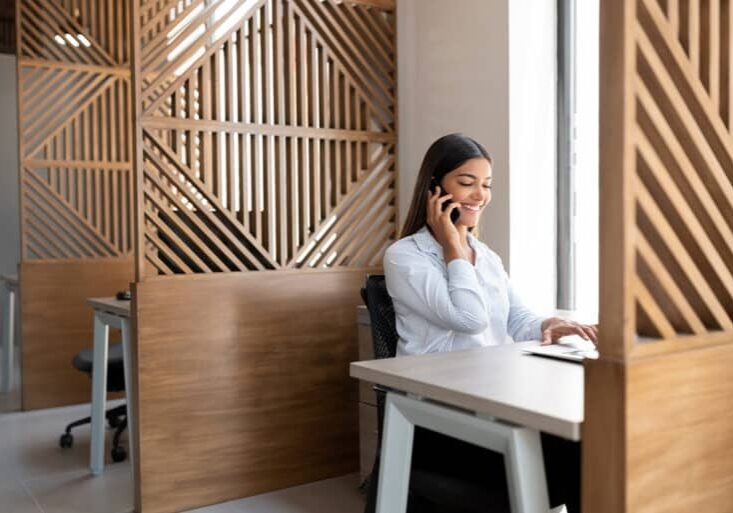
{"x":427,"y":243}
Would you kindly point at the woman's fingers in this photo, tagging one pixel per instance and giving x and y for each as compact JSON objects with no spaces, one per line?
{"x":446,"y":212}
{"x":572,"y":328}
{"x":591,"y":333}
{"x":547,"y":337}
{"x":560,"y":328}
{"x":433,"y":195}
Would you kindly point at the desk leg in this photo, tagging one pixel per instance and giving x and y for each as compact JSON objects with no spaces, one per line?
{"x":520,"y":446}
{"x":395,"y":460}
{"x":99,"y":394}
{"x":8,"y":342}
{"x":525,"y":470}
{"x":130,"y":395}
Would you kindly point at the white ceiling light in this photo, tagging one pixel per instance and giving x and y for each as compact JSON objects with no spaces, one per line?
{"x":72,"y":40}
{"x":83,"y":40}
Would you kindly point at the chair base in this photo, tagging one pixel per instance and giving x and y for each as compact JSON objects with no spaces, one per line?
{"x":116,"y":418}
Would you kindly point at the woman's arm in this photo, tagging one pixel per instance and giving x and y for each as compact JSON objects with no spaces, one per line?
{"x":454,"y":304}
{"x":523,"y":324}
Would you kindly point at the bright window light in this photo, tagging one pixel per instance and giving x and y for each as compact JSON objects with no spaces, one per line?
{"x":586,"y":165}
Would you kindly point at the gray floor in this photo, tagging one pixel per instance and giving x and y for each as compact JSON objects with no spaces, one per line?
{"x":36,"y":476}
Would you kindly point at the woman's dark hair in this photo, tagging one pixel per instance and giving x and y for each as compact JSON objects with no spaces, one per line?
{"x":443,"y":156}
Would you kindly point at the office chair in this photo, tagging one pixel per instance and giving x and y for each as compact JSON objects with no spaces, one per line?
{"x":428,"y":491}
{"x":116,"y":417}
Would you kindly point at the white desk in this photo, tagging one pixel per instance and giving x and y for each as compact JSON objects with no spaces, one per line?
{"x":494,"y":397}
{"x":109,"y":313}
{"x":8,"y":335}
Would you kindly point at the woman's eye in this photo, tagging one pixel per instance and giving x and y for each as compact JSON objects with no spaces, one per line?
{"x":465,"y":184}
{"x":487,"y":187}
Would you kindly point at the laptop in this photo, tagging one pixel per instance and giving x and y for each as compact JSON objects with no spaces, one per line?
{"x":573,"y":348}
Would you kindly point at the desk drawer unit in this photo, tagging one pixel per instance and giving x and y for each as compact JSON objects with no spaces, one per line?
{"x":367,"y":399}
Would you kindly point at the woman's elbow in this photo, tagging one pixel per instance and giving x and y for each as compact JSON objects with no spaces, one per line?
{"x":473,"y":324}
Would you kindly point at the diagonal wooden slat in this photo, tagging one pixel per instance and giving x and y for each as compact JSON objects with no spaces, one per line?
{"x":66,"y":210}
{"x":650,"y":306}
{"x":677,"y":248}
{"x":47,"y":227}
{"x":101,"y":53}
{"x":697,"y":186}
{"x":214,"y":203}
{"x":668,"y":283}
{"x":683,"y":209}
{"x":344,"y":211}
{"x":175,"y":199}
{"x":61,"y":120}
{"x":377,"y":87}
{"x":200,"y":42}
{"x":64,"y":228}
{"x":264,"y":131}
{"x":709,"y":121}
{"x":160,"y":42}
{"x":162,"y":248}
{"x":203,"y":209}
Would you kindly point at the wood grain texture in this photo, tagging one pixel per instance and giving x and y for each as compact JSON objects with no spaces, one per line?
{"x":56,"y":323}
{"x":604,"y":449}
{"x":616,"y":170}
{"x":243,"y":384}
{"x":679,"y":438}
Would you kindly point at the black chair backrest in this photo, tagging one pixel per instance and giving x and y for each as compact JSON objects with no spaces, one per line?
{"x":382,"y":316}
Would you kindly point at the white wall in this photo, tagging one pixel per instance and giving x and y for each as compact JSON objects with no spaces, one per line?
{"x":487,"y":68}
{"x":453,"y":77}
{"x":9,"y":224}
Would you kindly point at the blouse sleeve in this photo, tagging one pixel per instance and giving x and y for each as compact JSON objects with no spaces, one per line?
{"x":523,"y":324}
{"x":455,"y":303}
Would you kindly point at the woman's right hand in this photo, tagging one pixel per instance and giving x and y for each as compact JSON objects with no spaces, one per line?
{"x":440,"y":224}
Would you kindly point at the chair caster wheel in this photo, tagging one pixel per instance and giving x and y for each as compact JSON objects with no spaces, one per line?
{"x":118,"y":454}
{"x":66,"y":440}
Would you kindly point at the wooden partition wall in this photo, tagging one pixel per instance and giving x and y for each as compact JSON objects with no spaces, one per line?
{"x":658,"y":435}
{"x":75,"y":183}
{"x":265,"y":163}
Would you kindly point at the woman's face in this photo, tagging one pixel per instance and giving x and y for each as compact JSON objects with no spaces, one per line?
{"x":470,"y":185}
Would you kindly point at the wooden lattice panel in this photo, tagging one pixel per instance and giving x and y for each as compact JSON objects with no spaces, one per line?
{"x":267,"y":134}
{"x":74,"y":128}
{"x":682,"y":172}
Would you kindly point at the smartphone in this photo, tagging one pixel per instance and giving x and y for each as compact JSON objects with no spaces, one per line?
{"x":455,"y":213}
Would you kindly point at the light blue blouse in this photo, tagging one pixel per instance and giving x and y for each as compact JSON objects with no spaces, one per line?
{"x":457,"y":306}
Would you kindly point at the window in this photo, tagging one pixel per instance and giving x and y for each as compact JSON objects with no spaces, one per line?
{"x":577,"y":222}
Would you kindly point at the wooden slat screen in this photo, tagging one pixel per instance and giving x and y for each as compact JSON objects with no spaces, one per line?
{"x":679,"y":169}
{"x":657,"y":430}
{"x":267,"y":134}
{"x":74,"y":129}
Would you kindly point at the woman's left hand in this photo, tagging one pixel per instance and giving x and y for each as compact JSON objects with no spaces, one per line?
{"x":554,"y":328}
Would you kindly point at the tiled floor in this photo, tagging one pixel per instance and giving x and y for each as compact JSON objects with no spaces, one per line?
{"x":36,"y":476}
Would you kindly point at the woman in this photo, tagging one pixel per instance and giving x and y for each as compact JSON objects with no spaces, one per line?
{"x":451,"y":292}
